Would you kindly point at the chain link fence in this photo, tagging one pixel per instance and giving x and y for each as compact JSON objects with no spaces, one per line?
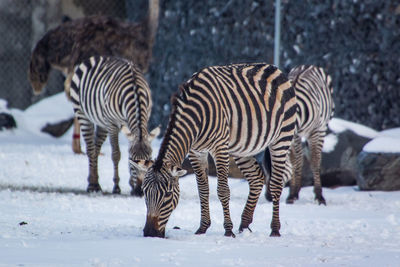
{"x":357,"y":42}
{"x":24,"y":22}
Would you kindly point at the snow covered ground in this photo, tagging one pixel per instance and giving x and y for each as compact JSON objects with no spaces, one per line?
{"x":47,"y":218}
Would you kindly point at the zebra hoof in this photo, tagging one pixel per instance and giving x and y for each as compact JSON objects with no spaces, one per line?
{"x":242,"y":228}
{"x":244,"y":224}
{"x":275,"y":233}
{"x":229,"y":233}
{"x":137,"y":192}
{"x":93,"y":188}
{"x":290,"y":200}
{"x":116,"y":190}
{"x":202,"y":230}
{"x":268,"y":196}
{"x":321,"y":200}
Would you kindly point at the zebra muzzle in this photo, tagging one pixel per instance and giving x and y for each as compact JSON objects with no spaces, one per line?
{"x":151,"y":229}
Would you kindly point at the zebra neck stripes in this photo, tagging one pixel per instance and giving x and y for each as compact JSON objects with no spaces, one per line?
{"x":182,"y":130}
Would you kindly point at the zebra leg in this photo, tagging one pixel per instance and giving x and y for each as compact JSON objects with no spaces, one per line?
{"x":316,"y":141}
{"x":88,"y":135}
{"x":255,"y":176}
{"x":221,"y":159}
{"x":199,"y":163}
{"x":296,"y":158}
{"x":115,"y":156}
{"x":279,"y":156}
{"x":101,"y":135}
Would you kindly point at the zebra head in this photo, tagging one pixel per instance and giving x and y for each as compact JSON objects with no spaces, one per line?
{"x":161,"y":193}
{"x":139,"y":151}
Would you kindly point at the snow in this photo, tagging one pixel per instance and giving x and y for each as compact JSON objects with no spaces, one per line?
{"x":47,"y":218}
{"x":31,"y":121}
{"x":387,"y":141}
{"x":330,"y":142}
{"x":338,"y":125}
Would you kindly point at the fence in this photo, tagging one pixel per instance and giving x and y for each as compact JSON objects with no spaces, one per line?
{"x":24,"y":22}
{"x":357,"y":42}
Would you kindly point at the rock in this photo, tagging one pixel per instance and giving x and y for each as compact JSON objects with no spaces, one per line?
{"x":339,"y":166}
{"x":7,"y":121}
{"x":379,"y":171}
{"x":59,"y":128}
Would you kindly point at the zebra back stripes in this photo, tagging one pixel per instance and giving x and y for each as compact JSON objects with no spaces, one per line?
{"x":315,"y":108}
{"x":108,"y":94}
{"x":112,"y":90}
{"x":314,"y":97}
{"x":236,"y":110}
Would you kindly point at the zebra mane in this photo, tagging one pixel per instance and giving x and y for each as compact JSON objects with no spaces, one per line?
{"x":140,"y":151}
{"x":297,"y":73}
{"x":175,"y":99}
{"x":138,"y":90}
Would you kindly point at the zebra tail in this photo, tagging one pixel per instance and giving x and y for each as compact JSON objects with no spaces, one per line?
{"x":266,"y":167}
{"x":266,"y":164}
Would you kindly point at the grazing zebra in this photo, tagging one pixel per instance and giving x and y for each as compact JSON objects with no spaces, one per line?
{"x":315,"y":108}
{"x":235,"y":110}
{"x":108,"y":94}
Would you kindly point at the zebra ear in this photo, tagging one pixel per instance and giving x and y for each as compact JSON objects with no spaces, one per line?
{"x":127,"y":133}
{"x":177,"y":172}
{"x":154,"y":133}
{"x":142,"y":165}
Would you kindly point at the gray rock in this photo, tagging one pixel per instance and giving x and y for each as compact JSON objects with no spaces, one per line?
{"x":339,"y":166}
{"x":59,"y":128}
{"x":378,"y":171}
{"x":7,"y":121}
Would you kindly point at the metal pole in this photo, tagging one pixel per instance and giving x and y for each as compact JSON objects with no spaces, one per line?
{"x":277,"y":36}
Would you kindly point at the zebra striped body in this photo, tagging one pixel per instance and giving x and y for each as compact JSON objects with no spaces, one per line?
{"x":108,"y":94}
{"x":235,"y":110}
{"x":315,"y":108}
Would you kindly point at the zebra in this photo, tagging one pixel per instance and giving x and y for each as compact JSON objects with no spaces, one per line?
{"x":314,"y":91}
{"x":234,"y":110}
{"x":108,"y":94}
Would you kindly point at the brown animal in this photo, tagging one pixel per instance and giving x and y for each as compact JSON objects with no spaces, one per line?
{"x":73,"y":41}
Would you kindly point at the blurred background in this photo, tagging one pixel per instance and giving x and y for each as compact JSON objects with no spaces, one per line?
{"x":357,"y":42}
